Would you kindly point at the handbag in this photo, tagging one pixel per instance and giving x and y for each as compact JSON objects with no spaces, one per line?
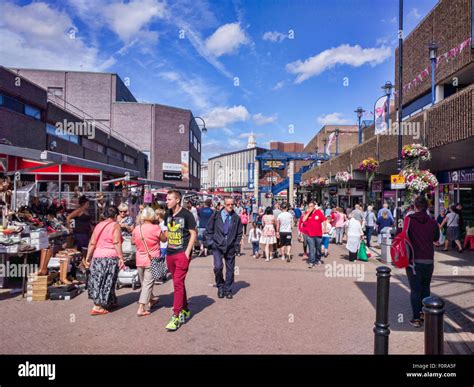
{"x":157,"y":265}
{"x":362,"y":253}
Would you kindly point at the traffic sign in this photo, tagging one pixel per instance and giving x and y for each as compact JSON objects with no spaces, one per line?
{"x":397,"y":182}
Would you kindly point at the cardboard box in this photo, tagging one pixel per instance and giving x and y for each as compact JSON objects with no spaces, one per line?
{"x":37,"y":298}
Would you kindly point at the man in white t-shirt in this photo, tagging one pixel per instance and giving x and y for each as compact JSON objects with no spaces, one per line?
{"x":285,"y":223}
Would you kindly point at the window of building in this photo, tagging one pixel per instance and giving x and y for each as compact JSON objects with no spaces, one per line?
{"x":92,"y":145}
{"x":147,"y":154}
{"x":129,"y":159}
{"x":51,"y":130}
{"x":32,"y":112}
{"x":114,"y":153}
{"x":56,"y":91}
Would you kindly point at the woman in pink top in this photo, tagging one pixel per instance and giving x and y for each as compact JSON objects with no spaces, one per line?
{"x":339,"y":224}
{"x":147,"y":237}
{"x":105,"y":248}
{"x":244,"y":218}
{"x":269,"y":231}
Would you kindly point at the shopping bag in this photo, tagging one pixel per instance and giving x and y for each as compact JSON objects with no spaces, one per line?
{"x":362,"y":253}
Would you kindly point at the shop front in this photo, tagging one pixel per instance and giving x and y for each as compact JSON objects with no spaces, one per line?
{"x":456,"y":187}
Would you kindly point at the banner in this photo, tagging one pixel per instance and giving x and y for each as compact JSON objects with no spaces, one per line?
{"x":251,"y":175}
{"x":380,"y":115}
{"x":273,"y":164}
{"x":331,"y":138}
{"x":185,"y":165}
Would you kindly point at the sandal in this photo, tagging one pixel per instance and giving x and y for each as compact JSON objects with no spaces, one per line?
{"x":145,"y":313}
{"x":95,"y":312}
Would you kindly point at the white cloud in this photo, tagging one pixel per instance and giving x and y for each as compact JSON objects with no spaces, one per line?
{"x":226,"y":39}
{"x":246,"y":135}
{"x":260,"y":119}
{"x":393,"y":20}
{"x":128,"y":20}
{"x":274,"y":36}
{"x":414,"y":13}
{"x":355,"y":56}
{"x":279,"y":85}
{"x":228,"y":131}
{"x":38,"y":36}
{"x":221,"y":117}
{"x":193,"y":88}
{"x":333,"y":119}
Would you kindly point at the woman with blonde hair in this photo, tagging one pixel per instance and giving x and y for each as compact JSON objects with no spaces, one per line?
{"x":147,"y":237}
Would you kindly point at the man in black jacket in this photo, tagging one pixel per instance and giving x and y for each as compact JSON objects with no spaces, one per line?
{"x":223,"y":236}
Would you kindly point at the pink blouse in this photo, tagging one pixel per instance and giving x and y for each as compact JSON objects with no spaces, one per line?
{"x":151,"y":234}
{"x":105,"y":247}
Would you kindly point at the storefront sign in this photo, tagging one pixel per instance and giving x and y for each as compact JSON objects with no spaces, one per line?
{"x":377,"y":186}
{"x":273,"y":164}
{"x":462,"y":176}
{"x":397,"y":181}
{"x":172,"y":176}
{"x":168,"y":167}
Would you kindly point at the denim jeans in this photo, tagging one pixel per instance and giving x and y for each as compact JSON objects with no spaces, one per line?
{"x":370,"y":231}
{"x":255,"y":248}
{"x":314,"y":245}
{"x":419,"y":285}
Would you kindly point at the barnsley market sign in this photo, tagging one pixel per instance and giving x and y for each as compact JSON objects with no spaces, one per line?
{"x":273,"y":164}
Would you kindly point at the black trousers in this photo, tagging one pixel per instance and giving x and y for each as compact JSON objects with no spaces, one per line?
{"x":419,"y":285}
{"x":219,"y":260}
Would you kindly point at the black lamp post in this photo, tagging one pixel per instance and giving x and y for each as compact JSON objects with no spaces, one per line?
{"x":360,"y":112}
{"x":387,"y":88}
{"x":433,"y":50}
{"x":204,"y":129}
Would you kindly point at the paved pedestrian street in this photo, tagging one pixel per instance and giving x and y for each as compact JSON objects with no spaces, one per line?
{"x":278,"y":308}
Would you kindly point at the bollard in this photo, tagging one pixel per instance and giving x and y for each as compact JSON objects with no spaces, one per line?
{"x":381,"y":328}
{"x":433,"y":309}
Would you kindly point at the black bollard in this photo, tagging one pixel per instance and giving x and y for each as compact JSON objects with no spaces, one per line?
{"x":381,"y":328}
{"x":433,"y":310}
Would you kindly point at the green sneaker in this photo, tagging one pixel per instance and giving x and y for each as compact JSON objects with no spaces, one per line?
{"x":173,"y":324}
{"x":184,"y":315}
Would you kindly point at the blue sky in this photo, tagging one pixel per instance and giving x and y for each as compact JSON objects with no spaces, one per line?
{"x":272,"y":67}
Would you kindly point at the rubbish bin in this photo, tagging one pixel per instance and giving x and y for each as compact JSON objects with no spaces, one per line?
{"x":387,"y":234}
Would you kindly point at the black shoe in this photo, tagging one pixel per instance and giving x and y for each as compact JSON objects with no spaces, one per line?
{"x":416,"y":323}
{"x":220,"y":293}
{"x":229,"y":296}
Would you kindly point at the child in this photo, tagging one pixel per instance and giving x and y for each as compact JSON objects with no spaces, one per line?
{"x":254,"y":238}
{"x":160,"y":216}
{"x":327,"y":231}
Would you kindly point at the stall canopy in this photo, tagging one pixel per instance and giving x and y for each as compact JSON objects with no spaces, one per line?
{"x":32,"y":161}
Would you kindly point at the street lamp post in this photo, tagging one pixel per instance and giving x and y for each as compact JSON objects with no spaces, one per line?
{"x":433,"y":50}
{"x":204,"y":129}
{"x":388,"y":92}
{"x":360,"y":112}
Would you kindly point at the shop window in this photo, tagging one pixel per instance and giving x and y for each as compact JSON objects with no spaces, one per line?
{"x":92,"y":145}
{"x":129,"y":159}
{"x":115,"y":154}
{"x":32,"y":112}
{"x":51,"y":130}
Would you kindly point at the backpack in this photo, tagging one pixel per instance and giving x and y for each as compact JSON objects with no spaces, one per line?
{"x":402,"y":249}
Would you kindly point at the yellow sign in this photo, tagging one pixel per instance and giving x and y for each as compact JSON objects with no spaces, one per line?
{"x":397,"y":181}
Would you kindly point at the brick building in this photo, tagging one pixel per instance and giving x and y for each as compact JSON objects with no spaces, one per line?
{"x":169,"y":136}
{"x":28,"y":119}
{"x":447,"y":127}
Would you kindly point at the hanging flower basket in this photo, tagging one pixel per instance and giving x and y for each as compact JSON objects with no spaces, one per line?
{"x":343,"y":178}
{"x":419,"y":181}
{"x":416,"y":152}
{"x":322,"y":182}
{"x":369,"y":165}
